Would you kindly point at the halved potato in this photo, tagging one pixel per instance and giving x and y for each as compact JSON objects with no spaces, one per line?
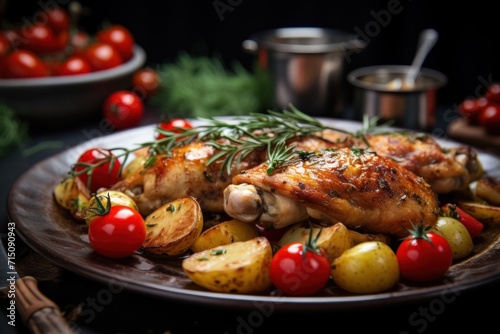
{"x":239,"y":267}
{"x":334,"y":239}
{"x":482,"y":212}
{"x":73,"y":195}
{"x":172,"y":228}
{"x":225,"y":233}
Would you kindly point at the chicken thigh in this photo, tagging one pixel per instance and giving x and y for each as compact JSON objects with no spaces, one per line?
{"x":365,"y":191}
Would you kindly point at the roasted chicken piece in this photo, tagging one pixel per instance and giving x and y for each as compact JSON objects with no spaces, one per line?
{"x":184,"y":172}
{"x":446,"y":170}
{"x":363,"y":190}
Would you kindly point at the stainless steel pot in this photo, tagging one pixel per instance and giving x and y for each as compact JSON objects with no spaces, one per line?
{"x":306,"y":65}
{"x":412,"y":108}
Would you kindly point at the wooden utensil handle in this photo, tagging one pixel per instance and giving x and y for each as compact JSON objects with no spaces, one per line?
{"x":41,"y":314}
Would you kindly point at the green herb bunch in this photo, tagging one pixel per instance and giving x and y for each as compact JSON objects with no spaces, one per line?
{"x":12,"y":131}
{"x":203,"y":87}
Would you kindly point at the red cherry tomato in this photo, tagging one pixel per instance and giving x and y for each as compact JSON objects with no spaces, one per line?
{"x":473,"y":226}
{"x":123,"y":109}
{"x":79,"y":39}
{"x":490,"y":118}
{"x":146,"y":82}
{"x":175,"y":125}
{"x":39,"y":38}
{"x":4,"y":50}
{"x":470,"y":108}
{"x":299,"y":274}
{"x":57,"y":18}
{"x":424,"y":256}
{"x":493,"y":92}
{"x":103,"y":56}
{"x":106,"y":168}
{"x":120,"y":37}
{"x":118,"y":233}
{"x":25,"y":64}
{"x":74,"y":65}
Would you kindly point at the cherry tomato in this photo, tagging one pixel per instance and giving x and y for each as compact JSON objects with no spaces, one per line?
{"x":75,"y":64}
{"x":174,"y":125}
{"x":103,"y":56}
{"x":25,"y":64}
{"x":39,"y":38}
{"x":57,"y":18}
{"x":106,"y":171}
{"x":4,"y":50}
{"x":299,"y":274}
{"x":117,"y":233}
{"x":493,"y":92}
{"x":79,"y":39}
{"x":471,"y":107}
{"x":145,"y":82}
{"x":490,"y":118}
{"x":120,"y":37}
{"x":123,"y":109}
{"x":473,"y":226}
{"x":424,"y":255}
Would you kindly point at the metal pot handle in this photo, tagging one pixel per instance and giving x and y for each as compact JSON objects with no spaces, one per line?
{"x":250,"y":46}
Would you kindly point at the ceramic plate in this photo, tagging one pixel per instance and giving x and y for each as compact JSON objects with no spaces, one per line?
{"x":50,"y":231}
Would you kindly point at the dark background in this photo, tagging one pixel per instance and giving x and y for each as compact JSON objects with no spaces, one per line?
{"x":467,"y":51}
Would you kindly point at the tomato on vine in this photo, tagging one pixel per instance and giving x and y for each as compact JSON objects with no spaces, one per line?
{"x":98,"y":168}
{"x":424,"y":255}
{"x":300,"y":269}
{"x":116,"y":231}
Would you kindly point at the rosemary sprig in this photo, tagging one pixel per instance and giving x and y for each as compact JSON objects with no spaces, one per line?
{"x":238,"y":138}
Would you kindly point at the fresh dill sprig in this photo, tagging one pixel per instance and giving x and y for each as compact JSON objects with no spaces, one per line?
{"x":237,"y":138}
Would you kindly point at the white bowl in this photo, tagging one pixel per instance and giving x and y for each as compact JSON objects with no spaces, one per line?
{"x":67,"y":99}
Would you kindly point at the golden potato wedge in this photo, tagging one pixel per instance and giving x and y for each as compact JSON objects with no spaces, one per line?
{"x":482,"y":212}
{"x":239,"y":267}
{"x":488,"y":189}
{"x":172,"y":228}
{"x":72,"y":195}
{"x":225,"y":233}
{"x":334,"y":239}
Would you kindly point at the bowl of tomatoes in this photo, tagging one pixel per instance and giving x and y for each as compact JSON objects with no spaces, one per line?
{"x":52,"y":74}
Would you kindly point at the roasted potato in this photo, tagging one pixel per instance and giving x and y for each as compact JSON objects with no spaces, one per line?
{"x":135,"y":166}
{"x":239,"y":267}
{"x":368,"y":267}
{"x":116,"y":197}
{"x":334,"y":239}
{"x":482,"y":212}
{"x":488,"y":190}
{"x":72,"y":195}
{"x":225,"y":233}
{"x":173,"y":228}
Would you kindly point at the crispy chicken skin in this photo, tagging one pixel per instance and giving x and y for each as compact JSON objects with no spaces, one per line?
{"x":363,"y":190}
